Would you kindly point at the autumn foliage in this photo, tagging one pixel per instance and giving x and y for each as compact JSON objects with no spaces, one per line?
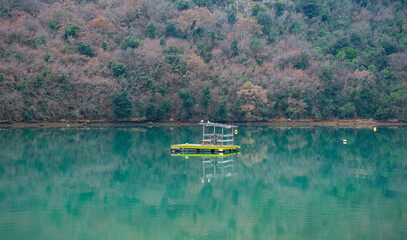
{"x":222,"y":60}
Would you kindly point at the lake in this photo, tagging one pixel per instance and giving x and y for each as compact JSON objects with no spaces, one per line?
{"x":123,"y":183}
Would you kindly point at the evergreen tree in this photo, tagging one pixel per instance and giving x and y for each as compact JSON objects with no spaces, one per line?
{"x":130,"y":42}
{"x":188,"y":101}
{"x":232,"y":14}
{"x":233,"y":47}
{"x":222,"y":111}
{"x":206,"y":96}
{"x":85,"y":48}
{"x":150,"y":30}
{"x":122,"y":105}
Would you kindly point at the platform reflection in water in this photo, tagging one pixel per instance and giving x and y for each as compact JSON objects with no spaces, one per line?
{"x":214,"y":166}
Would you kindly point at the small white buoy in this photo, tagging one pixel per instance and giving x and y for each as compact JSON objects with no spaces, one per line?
{"x":344,"y":141}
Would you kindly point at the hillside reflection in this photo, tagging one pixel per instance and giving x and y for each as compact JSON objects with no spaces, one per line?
{"x":120,"y":182}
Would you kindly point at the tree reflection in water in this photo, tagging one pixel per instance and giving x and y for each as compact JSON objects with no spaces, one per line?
{"x":288,"y":183}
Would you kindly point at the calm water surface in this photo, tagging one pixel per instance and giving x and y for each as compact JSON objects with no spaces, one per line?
{"x":123,"y":183}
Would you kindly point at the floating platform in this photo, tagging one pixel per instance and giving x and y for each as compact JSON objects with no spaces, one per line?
{"x":199,"y":148}
{"x":204,"y":155}
{"x":214,"y":141}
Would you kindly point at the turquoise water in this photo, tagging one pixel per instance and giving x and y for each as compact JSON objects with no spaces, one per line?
{"x":123,"y":183}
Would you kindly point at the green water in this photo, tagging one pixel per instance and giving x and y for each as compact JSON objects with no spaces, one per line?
{"x":122,"y":183}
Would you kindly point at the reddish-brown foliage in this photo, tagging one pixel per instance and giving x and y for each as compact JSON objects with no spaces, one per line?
{"x":192,"y":19}
{"x":246,"y":28}
{"x":102,"y":23}
{"x":251,"y":96}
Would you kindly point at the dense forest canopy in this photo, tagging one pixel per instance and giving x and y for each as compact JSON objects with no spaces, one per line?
{"x":232,"y":60}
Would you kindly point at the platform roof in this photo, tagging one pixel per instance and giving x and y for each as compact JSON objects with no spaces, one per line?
{"x":211,"y":124}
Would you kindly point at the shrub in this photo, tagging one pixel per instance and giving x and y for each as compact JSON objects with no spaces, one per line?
{"x":85,"y":48}
{"x":46,"y":57}
{"x":54,"y":23}
{"x":245,"y":79}
{"x":41,"y":40}
{"x":162,"y":41}
{"x":71,"y":31}
{"x":119,"y":69}
{"x":130,"y":42}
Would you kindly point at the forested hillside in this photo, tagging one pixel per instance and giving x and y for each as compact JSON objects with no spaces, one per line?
{"x":230,"y":60}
